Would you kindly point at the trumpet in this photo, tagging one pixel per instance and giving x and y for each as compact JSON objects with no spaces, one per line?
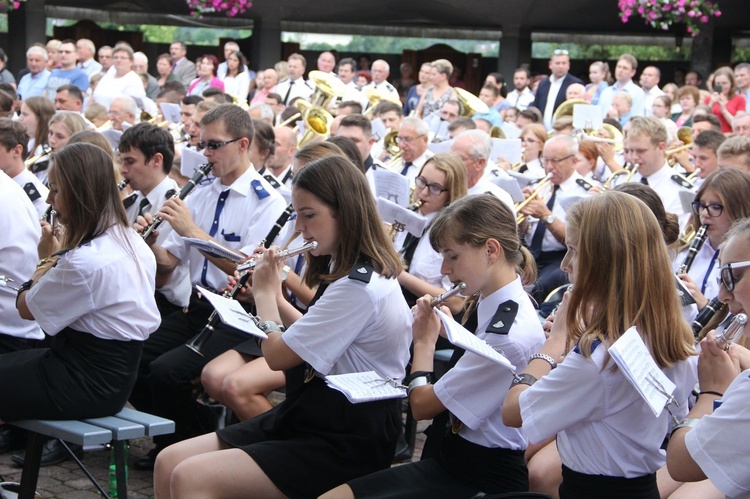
{"x":615,"y":136}
{"x":624,"y":172}
{"x":684,"y":135}
{"x":543,"y":184}
{"x":695,"y":246}
{"x":107,"y":125}
{"x":203,"y":170}
{"x":197,"y":342}
{"x":691,"y":178}
{"x":374,"y":96}
{"x":456,"y":289}
{"x":733,"y":331}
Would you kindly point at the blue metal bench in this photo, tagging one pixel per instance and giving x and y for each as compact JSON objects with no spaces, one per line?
{"x":116,"y":430}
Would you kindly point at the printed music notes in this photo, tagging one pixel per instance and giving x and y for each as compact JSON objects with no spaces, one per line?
{"x":366,"y":387}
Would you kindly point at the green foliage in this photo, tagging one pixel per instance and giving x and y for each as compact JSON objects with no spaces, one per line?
{"x":741,"y":54}
{"x":543,"y":50}
{"x":396,"y":45}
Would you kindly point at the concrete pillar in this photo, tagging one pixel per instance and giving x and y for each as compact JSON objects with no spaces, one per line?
{"x":515,"y":49}
{"x":266,"y":43}
{"x":701,"y":57}
{"x":27,"y":25}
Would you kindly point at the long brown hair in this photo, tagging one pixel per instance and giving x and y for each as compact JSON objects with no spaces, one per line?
{"x":623,"y":279}
{"x":44,"y":110}
{"x":451,"y":165}
{"x":338,"y":184}
{"x":85,"y":178}
{"x":732,"y":185}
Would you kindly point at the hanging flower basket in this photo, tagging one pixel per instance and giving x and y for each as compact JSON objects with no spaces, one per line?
{"x":662,"y":14}
{"x":10,"y":4}
{"x":229,"y":7}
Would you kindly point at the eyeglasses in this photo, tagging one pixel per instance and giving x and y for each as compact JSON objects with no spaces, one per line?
{"x":714,"y":210}
{"x":408,"y":140}
{"x":726,"y":277}
{"x":435,"y":189}
{"x":215,"y":145}
{"x":554,"y":161}
{"x":560,"y":52}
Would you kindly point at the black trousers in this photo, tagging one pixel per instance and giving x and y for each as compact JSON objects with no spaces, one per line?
{"x":168,"y":368}
{"x":10,"y":344}
{"x":549,"y":274}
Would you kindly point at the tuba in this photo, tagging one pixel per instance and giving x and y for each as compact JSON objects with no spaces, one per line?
{"x":317,"y":124}
{"x":470,"y":103}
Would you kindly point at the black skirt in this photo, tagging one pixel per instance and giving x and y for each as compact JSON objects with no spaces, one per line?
{"x":316,"y":439}
{"x":581,"y":486}
{"x":80,"y":376}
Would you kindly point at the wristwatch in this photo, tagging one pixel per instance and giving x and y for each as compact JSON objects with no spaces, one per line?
{"x":549,"y":220}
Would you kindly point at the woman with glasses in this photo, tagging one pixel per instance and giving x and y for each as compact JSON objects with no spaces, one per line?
{"x":708,"y":443}
{"x":533,"y":138}
{"x":720,"y":200}
{"x":608,"y":438}
{"x":440,"y":182}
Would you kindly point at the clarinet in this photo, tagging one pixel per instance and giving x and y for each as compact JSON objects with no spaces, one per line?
{"x":705,"y":315}
{"x":203,"y":170}
{"x":197,"y":342}
{"x":122,"y":184}
{"x":695,"y":246}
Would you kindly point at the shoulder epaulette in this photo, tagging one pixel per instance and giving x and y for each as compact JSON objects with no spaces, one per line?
{"x":503,"y":319}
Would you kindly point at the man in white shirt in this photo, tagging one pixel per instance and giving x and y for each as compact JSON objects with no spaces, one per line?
{"x":551,"y":92}
{"x":521,"y":97}
{"x":122,"y":112}
{"x":412,"y":140}
{"x":624,"y":72}
{"x":346,"y":71}
{"x":380,"y":71}
{"x":85,"y":50}
{"x":474,"y":148}
{"x":649,"y":81}
{"x":742,"y":77}
{"x":359,"y":129}
{"x":326,"y":62}
{"x":280,"y":162}
{"x":13,"y":144}
{"x":105,"y":58}
{"x":295,"y":85}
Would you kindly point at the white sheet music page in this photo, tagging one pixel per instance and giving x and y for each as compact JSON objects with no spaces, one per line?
{"x":365,"y":387}
{"x":461,"y":337}
{"x":214,"y":249}
{"x":632,"y":356}
{"x":231,"y":313}
{"x":391,"y":213}
{"x":392,"y":186}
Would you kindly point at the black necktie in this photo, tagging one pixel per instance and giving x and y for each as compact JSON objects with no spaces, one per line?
{"x":406,"y":167}
{"x":644,"y":180}
{"x":541,"y":228}
{"x":144,"y":202}
{"x":286,"y":97}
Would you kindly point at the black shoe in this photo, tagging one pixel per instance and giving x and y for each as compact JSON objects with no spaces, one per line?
{"x":403,"y":454}
{"x":146,"y":463}
{"x":11,"y":438}
{"x":52,"y":453}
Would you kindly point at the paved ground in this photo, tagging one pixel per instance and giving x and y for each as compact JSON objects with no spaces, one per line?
{"x":67,"y":481}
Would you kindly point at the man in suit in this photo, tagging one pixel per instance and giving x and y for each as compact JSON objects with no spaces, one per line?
{"x":182,"y":67}
{"x":551,"y":92}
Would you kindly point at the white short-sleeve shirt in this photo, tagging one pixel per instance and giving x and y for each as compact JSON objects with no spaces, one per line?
{"x":717,"y":443}
{"x":668,"y":191}
{"x":19,"y":224}
{"x":355,"y":327}
{"x":474,"y":389}
{"x":35,"y":190}
{"x":603,"y":426}
{"x":104,"y":287}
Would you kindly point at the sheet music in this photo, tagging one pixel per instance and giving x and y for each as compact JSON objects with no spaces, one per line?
{"x":231,"y":313}
{"x":365,"y":387}
{"x":509,"y":185}
{"x":390,"y":212}
{"x":392,"y":186}
{"x":633,"y":358}
{"x":437,"y":147}
{"x":587,"y":117}
{"x":459,"y":336}
{"x":510,"y":130}
{"x":171,"y":112}
{"x":214,"y":249}
{"x":508,"y":149}
{"x":191,"y":160}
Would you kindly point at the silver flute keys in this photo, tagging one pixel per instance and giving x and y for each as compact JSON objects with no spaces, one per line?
{"x":439,"y":300}
{"x":281,"y":255}
{"x":733,"y":331}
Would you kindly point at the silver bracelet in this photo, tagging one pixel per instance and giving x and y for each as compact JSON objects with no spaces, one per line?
{"x":685,"y":423}
{"x":545,"y":357}
{"x":418,"y":381}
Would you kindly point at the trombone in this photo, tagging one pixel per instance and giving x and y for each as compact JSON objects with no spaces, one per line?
{"x":541,"y":186}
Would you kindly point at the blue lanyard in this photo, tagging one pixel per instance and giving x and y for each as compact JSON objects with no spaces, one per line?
{"x":708,"y":272}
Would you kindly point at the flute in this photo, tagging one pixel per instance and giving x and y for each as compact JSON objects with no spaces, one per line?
{"x":203,"y":170}
{"x":197,"y":342}
{"x":251,"y":263}
{"x":733,"y":332}
{"x":439,"y":300}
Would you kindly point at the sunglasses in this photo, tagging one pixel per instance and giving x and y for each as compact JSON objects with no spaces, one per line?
{"x":560,"y":52}
{"x":215,"y":145}
{"x":726,"y":276}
